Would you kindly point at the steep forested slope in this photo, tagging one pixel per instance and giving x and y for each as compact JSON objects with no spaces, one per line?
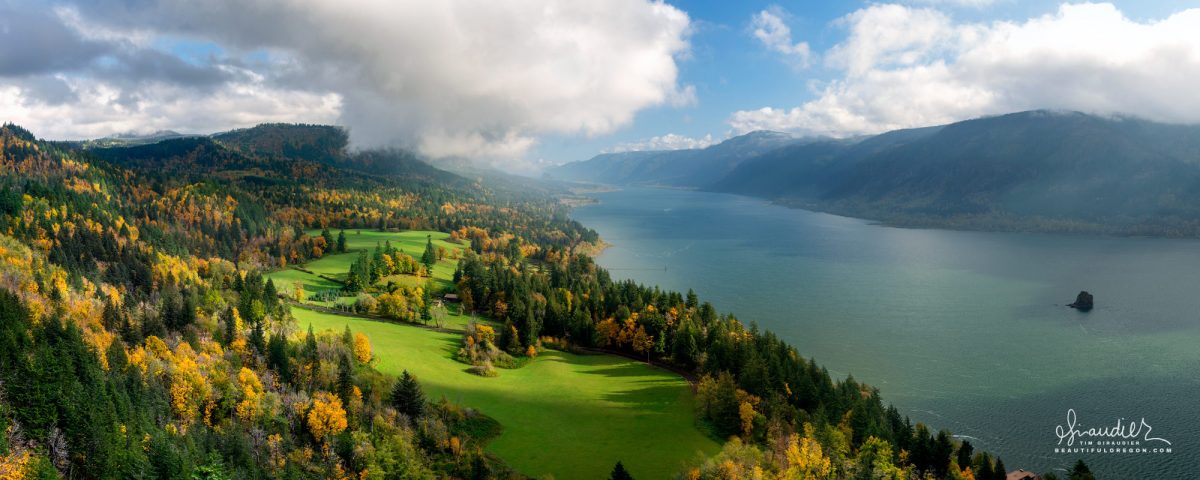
{"x":1037,"y":170}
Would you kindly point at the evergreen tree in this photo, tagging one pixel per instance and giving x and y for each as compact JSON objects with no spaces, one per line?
{"x":378,"y":267}
{"x":270,"y":296}
{"x":429,"y":258}
{"x":345,"y":378}
{"x":684,"y":350}
{"x":309,"y":351}
{"x":169,"y":310}
{"x":257,"y":337}
{"x":480,"y":470}
{"x":942,"y":449}
{"x":964,"y":454}
{"x":341,"y":241}
{"x":509,"y":340}
{"x":111,"y":317}
{"x":724,"y":410}
{"x":426,"y":301}
{"x":230,"y":326}
{"x":619,"y":473}
{"x":1000,"y":473}
{"x":277,"y":357}
{"x":187,"y":311}
{"x":328,"y":239}
{"x":983,"y":466}
{"x":153,"y":325}
{"x":531,"y":327}
{"x":1081,"y":471}
{"x":407,"y":396}
{"x":359,"y":277}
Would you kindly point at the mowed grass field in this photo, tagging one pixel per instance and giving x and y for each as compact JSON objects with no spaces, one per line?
{"x":411,"y":242}
{"x":571,"y":416}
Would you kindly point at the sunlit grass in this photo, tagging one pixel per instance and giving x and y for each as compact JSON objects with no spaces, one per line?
{"x":569,"y":415}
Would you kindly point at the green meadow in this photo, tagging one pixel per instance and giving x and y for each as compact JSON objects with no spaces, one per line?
{"x":336,"y":266}
{"x":570,"y":416}
{"x":411,"y":242}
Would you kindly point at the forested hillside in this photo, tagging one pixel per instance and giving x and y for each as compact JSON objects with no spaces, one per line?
{"x":140,"y":335}
{"x":1037,"y":170}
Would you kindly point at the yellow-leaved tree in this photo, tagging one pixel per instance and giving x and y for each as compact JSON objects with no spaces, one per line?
{"x":362,"y":348}
{"x":252,"y":390}
{"x":746,"y":414}
{"x":805,"y":459}
{"x":326,"y":418}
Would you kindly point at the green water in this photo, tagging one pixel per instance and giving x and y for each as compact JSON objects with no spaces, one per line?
{"x":961,"y":330}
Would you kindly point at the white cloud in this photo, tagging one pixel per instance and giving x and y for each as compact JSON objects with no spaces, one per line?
{"x":451,"y":77}
{"x":777,"y":36}
{"x":101,"y":109}
{"x":904,"y":67}
{"x":959,"y":3}
{"x":670,"y":141}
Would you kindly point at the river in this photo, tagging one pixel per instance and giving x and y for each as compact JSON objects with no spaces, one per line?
{"x":965,"y":331}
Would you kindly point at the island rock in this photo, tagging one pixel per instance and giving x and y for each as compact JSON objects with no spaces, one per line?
{"x":1083,"y":301}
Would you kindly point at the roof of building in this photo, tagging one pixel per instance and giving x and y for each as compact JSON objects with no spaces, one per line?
{"x":1022,"y":474}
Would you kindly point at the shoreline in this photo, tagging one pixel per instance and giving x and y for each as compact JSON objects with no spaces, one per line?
{"x":1017,"y":225}
{"x":982,"y":224}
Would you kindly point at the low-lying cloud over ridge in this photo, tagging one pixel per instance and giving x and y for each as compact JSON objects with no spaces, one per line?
{"x":451,"y":77}
{"x":902,"y":66}
{"x":670,"y":141}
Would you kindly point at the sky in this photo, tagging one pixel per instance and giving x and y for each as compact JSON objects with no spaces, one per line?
{"x":524,"y":84}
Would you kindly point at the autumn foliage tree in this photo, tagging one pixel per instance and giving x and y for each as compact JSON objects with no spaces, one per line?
{"x":326,"y":416}
{"x":362,"y":348}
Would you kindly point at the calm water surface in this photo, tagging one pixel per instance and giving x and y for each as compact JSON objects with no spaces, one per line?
{"x":961,"y":330}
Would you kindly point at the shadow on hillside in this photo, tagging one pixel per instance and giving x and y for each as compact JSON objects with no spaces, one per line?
{"x":449,"y":345}
{"x":627,"y":369}
{"x":656,"y":399}
{"x":648,"y":393}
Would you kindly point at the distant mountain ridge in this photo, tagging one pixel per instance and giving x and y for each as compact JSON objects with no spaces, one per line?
{"x":132,"y":138}
{"x":1036,"y":170}
{"x":688,"y":167}
{"x":274,"y":154}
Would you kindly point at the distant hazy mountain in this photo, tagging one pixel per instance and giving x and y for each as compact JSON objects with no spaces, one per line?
{"x":1037,"y":170}
{"x":274,"y":153}
{"x":691,"y":167}
{"x":130,"y":139}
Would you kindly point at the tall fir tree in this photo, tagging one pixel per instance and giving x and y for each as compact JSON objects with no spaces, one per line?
{"x":1081,"y":471}
{"x":328,"y":239}
{"x":407,"y":396}
{"x":429,"y":258}
{"x":619,"y":473}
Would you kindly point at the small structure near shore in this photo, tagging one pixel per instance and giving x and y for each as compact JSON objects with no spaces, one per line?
{"x":1083,"y":301}
{"x":1022,"y":474}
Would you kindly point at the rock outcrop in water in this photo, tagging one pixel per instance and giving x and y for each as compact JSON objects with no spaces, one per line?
{"x":1083,"y":301}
